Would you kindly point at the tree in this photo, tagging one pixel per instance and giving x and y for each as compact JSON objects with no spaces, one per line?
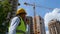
{"x":5,"y":8}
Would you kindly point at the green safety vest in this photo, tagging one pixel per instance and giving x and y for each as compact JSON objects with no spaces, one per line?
{"x":21,"y":29}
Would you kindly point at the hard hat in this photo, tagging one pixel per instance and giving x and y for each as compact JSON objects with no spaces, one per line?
{"x":20,"y":11}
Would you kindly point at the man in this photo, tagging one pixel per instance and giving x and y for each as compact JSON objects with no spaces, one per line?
{"x":18,"y":23}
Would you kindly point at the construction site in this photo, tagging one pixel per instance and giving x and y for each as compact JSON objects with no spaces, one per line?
{"x":34,"y":17}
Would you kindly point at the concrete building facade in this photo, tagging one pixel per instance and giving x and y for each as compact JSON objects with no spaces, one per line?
{"x":30,"y":23}
{"x":40,"y":29}
{"x":54,"y":27}
{"x":14,"y":5}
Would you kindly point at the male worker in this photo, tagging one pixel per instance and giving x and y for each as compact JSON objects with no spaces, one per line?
{"x":18,"y":23}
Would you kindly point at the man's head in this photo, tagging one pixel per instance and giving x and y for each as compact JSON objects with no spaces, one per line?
{"x":21,"y":12}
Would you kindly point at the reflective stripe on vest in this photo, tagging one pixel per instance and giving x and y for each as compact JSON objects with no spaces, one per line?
{"x":21,"y":29}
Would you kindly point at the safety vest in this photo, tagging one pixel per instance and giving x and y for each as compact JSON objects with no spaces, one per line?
{"x":21,"y":29}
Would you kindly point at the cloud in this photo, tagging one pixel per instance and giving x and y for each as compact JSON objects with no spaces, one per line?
{"x":47,"y":32}
{"x":55,"y":14}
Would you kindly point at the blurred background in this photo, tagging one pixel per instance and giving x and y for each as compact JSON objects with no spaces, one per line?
{"x":38,"y":13}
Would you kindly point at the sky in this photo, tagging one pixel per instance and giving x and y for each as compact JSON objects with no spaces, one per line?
{"x":39,"y":10}
{"x":54,"y":15}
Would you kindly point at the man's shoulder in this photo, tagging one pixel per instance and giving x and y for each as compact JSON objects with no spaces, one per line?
{"x":15,"y":18}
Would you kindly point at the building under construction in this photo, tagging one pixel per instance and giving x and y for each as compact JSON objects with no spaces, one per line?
{"x":54,"y":27}
{"x":30,"y":23}
{"x":38,"y":25}
{"x":14,"y":5}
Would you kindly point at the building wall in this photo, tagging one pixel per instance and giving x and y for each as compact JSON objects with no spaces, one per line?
{"x":40,"y":25}
{"x":54,"y":27}
{"x":14,"y":5}
{"x":30,"y":22}
{"x":34,"y":25}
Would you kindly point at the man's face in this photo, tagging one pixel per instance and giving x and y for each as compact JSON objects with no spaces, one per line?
{"x":23,"y":15}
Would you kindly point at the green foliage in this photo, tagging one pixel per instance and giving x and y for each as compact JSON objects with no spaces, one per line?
{"x":5,"y":7}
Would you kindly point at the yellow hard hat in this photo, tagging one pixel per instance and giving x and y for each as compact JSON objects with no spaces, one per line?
{"x":20,"y":11}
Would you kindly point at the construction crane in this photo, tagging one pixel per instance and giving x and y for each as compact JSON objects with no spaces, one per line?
{"x":34,"y":15}
{"x":35,"y":24}
{"x":38,"y":6}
